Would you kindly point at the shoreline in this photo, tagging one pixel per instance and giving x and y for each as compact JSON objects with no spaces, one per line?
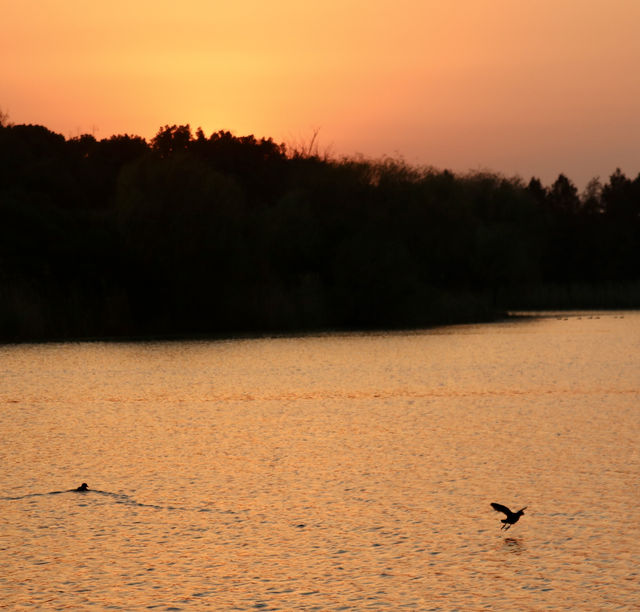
{"x":510,"y":315}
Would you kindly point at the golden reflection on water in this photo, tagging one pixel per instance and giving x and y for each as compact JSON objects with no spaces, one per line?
{"x":344,"y":472}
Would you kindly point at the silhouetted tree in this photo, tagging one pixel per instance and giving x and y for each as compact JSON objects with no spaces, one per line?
{"x":537,"y":191}
{"x":621,"y":197}
{"x":592,"y":198}
{"x":563,"y":196}
{"x":171,"y":139}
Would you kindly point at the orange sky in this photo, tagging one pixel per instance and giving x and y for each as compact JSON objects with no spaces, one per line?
{"x":528,"y":87}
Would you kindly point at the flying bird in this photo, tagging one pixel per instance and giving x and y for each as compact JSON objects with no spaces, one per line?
{"x":512,"y":517}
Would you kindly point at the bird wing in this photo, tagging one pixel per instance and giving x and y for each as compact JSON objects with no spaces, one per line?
{"x":500,"y":508}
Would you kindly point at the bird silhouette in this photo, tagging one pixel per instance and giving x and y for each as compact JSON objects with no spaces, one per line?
{"x":512,"y":517}
{"x":83,"y":487}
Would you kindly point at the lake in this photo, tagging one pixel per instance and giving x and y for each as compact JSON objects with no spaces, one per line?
{"x":333,"y":472}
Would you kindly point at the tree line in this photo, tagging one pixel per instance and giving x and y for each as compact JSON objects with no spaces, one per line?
{"x":188,"y":234}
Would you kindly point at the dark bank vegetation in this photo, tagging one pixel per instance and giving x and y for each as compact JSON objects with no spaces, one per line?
{"x":219,"y":235}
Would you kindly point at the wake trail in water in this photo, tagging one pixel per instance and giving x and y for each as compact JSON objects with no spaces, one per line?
{"x":118,"y":498}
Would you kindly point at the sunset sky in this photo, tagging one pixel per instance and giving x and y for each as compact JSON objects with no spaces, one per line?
{"x":527,"y":87}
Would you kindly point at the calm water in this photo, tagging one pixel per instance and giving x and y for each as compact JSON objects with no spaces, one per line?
{"x":346,"y":472}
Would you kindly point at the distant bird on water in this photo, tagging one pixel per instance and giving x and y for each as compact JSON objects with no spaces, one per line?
{"x":512,"y":517}
{"x":85,"y":487}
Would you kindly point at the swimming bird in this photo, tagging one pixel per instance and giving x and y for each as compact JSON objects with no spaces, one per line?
{"x":512,"y":517}
{"x":83,"y":487}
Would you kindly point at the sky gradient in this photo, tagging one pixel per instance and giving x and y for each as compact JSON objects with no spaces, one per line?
{"x":521,"y":87}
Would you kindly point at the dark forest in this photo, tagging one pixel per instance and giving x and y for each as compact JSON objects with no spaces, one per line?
{"x":188,"y":235}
